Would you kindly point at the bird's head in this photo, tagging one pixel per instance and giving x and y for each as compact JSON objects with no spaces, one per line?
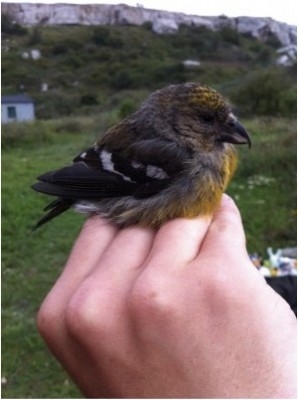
{"x":201,"y":115}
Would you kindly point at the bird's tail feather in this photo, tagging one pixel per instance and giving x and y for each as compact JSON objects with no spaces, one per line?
{"x":54,"y":209}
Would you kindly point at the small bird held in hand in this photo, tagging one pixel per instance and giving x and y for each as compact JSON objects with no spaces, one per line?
{"x":173,"y":157}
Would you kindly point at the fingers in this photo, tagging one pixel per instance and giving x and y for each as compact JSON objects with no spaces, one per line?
{"x":94,"y":238}
{"x":178,"y":242}
{"x":103,"y":257}
{"x":102,"y":294}
{"x":154,"y":294}
{"x":91,"y":243}
{"x":105,"y":262}
{"x":89,"y":297}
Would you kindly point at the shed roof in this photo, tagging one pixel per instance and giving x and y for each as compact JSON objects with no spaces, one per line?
{"x":16,"y":98}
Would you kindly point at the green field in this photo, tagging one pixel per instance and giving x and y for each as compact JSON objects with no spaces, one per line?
{"x":264,"y":188}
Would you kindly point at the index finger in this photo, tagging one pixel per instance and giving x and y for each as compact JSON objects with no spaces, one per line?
{"x":95,"y":237}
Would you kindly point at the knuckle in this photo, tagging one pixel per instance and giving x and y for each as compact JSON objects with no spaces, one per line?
{"x":83,"y":312}
{"x":77,"y":316}
{"x":43,"y":321}
{"x":227,"y":227}
{"x":48,"y":316}
{"x":150,"y":300}
{"x":227,"y":220}
{"x":80,"y":313}
{"x":217,"y":291}
{"x":91,"y":312}
{"x":227,"y":224}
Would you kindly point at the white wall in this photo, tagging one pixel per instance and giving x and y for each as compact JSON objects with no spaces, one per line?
{"x":24,"y":112}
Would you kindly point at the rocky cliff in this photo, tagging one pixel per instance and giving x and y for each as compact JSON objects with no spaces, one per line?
{"x":162,"y":21}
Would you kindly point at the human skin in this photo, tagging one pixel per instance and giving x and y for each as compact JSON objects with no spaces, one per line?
{"x":177,"y":313}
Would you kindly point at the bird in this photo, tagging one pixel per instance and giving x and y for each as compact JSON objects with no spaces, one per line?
{"x":173,"y":157}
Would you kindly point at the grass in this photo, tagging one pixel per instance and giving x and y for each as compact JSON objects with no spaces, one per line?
{"x":30,"y":264}
{"x":264,"y":188}
{"x":265,"y":185}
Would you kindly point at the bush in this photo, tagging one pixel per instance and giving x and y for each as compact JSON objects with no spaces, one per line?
{"x":230,"y":35}
{"x":105,"y":36}
{"x":126,"y":108}
{"x":172,"y":73}
{"x":59,"y":49}
{"x":68,"y":125}
{"x":147,"y":25}
{"x":52,"y":105}
{"x":18,"y":134}
{"x":101,"y":35}
{"x":122,"y":80}
{"x":35,"y":36}
{"x":268,"y":92}
{"x":89,"y":100}
{"x":11,"y":27}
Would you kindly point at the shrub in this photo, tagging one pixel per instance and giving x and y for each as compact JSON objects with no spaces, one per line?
{"x":122,"y":80}
{"x":35,"y":36}
{"x":267,"y":92}
{"x":59,"y":48}
{"x":170,"y":73}
{"x":230,"y":35}
{"x":9,"y":26}
{"x":25,"y":134}
{"x":126,"y":108}
{"x":101,"y":35}
{"x":147,"y":25}
{"x":89,"y":99}
{"x":52,"y":105}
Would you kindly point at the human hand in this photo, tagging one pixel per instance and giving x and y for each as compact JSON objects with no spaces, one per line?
{"x":177,"y":313}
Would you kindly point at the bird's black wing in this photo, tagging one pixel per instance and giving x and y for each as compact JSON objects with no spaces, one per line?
{"x":143,"y":170}
{"x":165,"y":154}
{"x":79,"y":181}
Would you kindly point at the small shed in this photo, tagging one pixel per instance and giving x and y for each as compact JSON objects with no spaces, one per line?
{"x":16,"y":108}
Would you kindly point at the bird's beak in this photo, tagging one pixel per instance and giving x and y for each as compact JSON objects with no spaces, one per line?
{"x":236,"y":134}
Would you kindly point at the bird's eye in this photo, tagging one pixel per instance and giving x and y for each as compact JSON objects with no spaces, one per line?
{"x":208,"y":118}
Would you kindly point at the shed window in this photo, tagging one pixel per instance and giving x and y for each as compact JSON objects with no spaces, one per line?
{"x":11,"y":112}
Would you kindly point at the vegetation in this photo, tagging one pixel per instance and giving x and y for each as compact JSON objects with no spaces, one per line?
{"x":96,"y":76}
{"x":267,"y":92}
{"x":86,"y":67}
{"x":9,"y":27}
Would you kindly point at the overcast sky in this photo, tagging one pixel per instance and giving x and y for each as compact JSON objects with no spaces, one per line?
{"x":281,"y":10}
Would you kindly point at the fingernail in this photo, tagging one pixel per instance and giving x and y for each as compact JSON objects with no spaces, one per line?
{"x":226,"y":199}
{"x":228,"y":202}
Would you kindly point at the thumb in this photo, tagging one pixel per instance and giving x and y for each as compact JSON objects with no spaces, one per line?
{"x":225,"y":236}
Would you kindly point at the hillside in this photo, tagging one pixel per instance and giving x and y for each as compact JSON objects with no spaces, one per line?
{"x":84,"y":69}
